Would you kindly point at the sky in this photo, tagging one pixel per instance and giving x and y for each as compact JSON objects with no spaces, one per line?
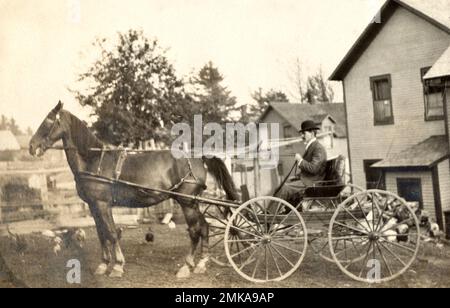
{"x":46,"y":44}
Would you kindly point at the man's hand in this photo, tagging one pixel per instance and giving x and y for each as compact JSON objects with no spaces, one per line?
{"x":298,"y":158}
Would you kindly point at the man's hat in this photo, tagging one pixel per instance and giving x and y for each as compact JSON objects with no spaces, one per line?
{"x":308,"y":126}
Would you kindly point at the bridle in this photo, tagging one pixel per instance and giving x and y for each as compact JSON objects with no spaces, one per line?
{"x":52,"y":129}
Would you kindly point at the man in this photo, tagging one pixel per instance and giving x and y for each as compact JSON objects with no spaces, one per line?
{"x":311,"y":167}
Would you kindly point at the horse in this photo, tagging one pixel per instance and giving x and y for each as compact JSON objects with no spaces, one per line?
{"x":155,"y":169}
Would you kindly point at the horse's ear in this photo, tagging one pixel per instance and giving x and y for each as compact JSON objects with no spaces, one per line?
{"x":59,"y":107}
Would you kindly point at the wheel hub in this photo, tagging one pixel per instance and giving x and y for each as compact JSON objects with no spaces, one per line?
{"x":374,"y":236}
{"x":267,"y":239}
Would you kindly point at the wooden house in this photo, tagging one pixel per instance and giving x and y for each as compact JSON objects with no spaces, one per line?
{"x":397,"y":122}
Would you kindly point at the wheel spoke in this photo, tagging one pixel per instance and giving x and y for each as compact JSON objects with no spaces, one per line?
{"x":244,"y":241}
{"x":365,"y":217}
{"x":286,"y":247}
{"x":256,"y":266}
{"x":284,"y":231}
{"x":393,"y":254}
{"x":215,"y":244}
{"x":251,"y":256}
{"x":249,"y":223}
{"x":350,"y":237}
{"x":384,"y":259}
{"x":351,"y":228}
{"x":397,"y":225}
{"x":399,"y":246}
{"x":354,"y":218}
{"x":245,"y":231}
{"x":365,"y":259}
{"x":275,"y":261}
{"x":281,"y":255}
{"x":281,"y":223}
{"x":273,"y":218}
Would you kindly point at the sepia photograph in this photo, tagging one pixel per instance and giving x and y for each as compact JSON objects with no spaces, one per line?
{"x":224,"y":150}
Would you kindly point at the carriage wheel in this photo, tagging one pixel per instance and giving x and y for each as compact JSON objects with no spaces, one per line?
{"x":319,"y":242}
{"x":266,"y":240}
{"x":374,"y":236}
{"x":217,"y":218}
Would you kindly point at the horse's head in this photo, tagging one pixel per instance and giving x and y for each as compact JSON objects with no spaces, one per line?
{"x":52,"y":129}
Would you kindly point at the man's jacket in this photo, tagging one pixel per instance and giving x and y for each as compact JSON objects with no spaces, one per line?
{"x":313,"y":166}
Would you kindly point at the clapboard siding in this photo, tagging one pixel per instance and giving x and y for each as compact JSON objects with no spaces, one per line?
{"x":427,"y":186}
{"x":444,"y":184}
{"x":406,"y":44}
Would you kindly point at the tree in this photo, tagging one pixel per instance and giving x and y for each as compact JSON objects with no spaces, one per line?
{"x":296,"y":76}
{"x":213,"y":100}
{"x":11,"y":125}
{"x":135,"y":93}
{"x":318,"y":89}
{"x":252,"y":112}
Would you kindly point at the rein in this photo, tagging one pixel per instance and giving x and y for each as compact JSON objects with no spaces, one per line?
{"x":286,"y":178}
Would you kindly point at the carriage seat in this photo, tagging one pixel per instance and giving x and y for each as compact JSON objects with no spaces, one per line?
{"x":333,"y":183}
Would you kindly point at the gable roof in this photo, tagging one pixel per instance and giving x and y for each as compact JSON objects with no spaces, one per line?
{"x":8,"y":142}
{"x":436,"y":12}
{"x":441,"y":68}
{"x":295,"y":114}
{"x":424,"y":154}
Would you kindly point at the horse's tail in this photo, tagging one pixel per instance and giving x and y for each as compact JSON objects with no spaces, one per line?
{"x":222,"y":176}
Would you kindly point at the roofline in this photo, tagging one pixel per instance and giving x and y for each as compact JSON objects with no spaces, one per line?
{"x":430,"y":166}
{"x":284,"y":118}
{"x":371,"y":31}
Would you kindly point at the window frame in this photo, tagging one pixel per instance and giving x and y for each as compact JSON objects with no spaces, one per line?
{"x":389,"y":121}
{"x":423,"y":72}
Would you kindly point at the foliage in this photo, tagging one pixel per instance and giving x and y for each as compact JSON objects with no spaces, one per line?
{"x":252,"y":112}
{"x":318,"y":89}
{"x":211,"y":99}
{"x":11,"y":125}
{"x":135,"y":93}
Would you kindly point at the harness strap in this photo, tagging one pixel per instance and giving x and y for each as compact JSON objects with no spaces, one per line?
{"x":120,"y":161}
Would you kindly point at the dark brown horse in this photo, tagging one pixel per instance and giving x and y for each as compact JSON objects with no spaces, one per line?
{"x":157,"y":169}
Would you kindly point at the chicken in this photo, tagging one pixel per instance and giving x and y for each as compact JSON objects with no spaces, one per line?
{"x":18,"y":241}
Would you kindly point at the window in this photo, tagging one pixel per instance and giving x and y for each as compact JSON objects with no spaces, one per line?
{"x":374,"y":176}
{"x":410,"y":190}
{"x":382,"y":100}
{"x":434,"y":98}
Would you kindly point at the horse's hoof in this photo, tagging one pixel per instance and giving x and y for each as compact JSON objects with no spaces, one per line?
{"x":190,"y":261}
{"x":101,"y":269}
{"x":200,"y":270}
{"x":117,"y":272}
{"x":184,"y":272}
{"x":201,"y":266}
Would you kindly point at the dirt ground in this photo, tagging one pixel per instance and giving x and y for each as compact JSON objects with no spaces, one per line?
{"x":155,"y":264}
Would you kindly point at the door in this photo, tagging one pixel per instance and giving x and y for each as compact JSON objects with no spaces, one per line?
{"x":411,"y":190}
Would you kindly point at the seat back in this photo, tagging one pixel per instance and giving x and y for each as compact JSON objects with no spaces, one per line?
{"x":335,"y":171}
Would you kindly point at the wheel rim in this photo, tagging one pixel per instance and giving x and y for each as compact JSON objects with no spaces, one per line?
{"x":272,"y":240}
{"x":381,"y":233}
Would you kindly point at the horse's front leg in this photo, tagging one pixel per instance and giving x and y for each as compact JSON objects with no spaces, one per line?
{"x":197,"y":227}
{"x":114,"y":238}
{"x":101,"y":232}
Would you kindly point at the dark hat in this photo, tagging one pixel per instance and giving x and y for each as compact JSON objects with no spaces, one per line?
{"x":308,"y":126}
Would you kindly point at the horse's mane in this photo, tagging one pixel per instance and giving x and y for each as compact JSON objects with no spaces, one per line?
{"x":83,"y":138}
